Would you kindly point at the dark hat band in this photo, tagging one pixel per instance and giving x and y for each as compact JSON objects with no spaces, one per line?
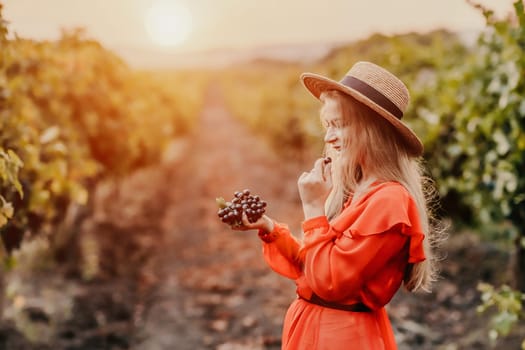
{"x":372,"y":94}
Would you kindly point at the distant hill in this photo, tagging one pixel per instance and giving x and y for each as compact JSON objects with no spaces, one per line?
{"x":219,"y":58}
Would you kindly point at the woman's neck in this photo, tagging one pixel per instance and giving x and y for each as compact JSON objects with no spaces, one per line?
{"x":364,"y":186}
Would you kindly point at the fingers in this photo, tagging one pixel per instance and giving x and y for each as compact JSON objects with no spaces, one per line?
{"x":247,"y":225}
{"x":245,"y":221}
{"x":237,"y":227}
{"x":321,"y":170}
{"x":324,"y":166}
{"x":327,"y":175}
{"x":244,"y":225}
{"x":318,"y":165}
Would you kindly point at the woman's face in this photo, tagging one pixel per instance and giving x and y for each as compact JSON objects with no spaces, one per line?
{"x":334,"y":125}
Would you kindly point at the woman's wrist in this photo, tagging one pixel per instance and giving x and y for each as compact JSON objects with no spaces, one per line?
{"x":268,"y":225}
{"x":312,"y":211}
{"x":267,"y":231}
{"x":264,"y":224}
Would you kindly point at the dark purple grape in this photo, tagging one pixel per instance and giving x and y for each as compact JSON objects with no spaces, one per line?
{"x":243,"y":202}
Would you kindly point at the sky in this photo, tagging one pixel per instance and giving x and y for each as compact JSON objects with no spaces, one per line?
{"x":122,"y":25}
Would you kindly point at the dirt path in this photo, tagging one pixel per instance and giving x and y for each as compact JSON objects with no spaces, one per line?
{"x":216,"y":291}
{"x":189,"y":283}
{"x":174,"y":277}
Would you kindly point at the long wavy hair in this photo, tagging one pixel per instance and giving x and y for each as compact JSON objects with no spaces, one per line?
{"x":372,"y":150}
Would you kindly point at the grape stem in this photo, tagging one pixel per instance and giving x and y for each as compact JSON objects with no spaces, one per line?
{"x":221,"y":202}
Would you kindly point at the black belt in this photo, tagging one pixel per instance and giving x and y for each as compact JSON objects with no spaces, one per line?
{"x":357,"y":307}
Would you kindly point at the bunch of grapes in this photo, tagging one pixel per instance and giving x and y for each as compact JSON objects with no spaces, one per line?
{"x":242,"y":202}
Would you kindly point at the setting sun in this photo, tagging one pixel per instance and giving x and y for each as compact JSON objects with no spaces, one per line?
{"x":168,"y":23}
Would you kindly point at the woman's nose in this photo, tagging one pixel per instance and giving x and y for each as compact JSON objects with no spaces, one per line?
{"x":330,"y":136}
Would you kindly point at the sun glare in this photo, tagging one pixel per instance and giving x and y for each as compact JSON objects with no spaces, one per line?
{"x":168,"y":23}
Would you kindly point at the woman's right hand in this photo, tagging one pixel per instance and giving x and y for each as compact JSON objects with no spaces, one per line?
{"x":314,"y":188}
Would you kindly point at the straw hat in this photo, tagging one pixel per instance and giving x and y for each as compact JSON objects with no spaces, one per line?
{"x":375,"y":87}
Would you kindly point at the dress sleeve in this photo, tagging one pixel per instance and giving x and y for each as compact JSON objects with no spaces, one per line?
{"x":384,"y":209}
{"x":340,"y":256}
{"x":281,"y":251}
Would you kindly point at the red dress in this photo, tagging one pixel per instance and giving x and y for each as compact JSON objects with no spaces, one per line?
{"x":360,"y":256}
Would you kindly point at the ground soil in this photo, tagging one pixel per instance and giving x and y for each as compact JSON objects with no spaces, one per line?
{"x":172,"y":276}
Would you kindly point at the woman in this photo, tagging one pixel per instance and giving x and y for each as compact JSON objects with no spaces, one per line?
{"x":366,"y":227}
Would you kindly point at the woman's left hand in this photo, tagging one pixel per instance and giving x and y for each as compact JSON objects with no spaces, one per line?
{"x":314,"y":188}
{"x":263,"y":223}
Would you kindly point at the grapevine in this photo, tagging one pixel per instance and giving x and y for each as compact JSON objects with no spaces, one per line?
{"x":75,"y":115}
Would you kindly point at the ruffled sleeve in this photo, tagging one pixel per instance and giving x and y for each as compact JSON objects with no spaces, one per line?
{"x":365,"y":247}
{"x":383,"y":208}
{"x":281,"y":251}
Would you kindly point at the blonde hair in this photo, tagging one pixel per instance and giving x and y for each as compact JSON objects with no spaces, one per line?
{"x":374,"y":151}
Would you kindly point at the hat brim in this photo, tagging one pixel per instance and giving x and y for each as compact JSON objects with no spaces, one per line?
{"x":317,"y":84}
